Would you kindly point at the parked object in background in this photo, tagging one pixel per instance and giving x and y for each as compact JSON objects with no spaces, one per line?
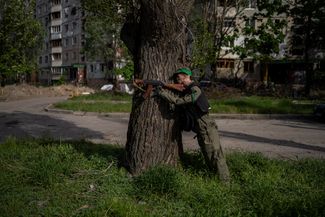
{"x":125,"y":88}
{"x":319,"y":111}
{"x":107,"y":87}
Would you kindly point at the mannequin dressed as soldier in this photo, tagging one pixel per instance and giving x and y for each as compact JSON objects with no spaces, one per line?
{"x":194,"y":104}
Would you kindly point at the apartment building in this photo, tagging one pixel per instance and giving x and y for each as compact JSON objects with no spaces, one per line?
{"x":62,"y":57}
{"x":229,"y":65}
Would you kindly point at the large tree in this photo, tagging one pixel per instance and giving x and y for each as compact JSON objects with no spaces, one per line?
{"x":20,"y":38}
{"x":156,"y":34}
{"x":308,"y":34}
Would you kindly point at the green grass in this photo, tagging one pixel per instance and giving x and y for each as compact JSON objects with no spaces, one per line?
{"x":106,"y":102}
{"x":76,"y":178}
{"x":98,"y":102}
{"x":262,"y":105}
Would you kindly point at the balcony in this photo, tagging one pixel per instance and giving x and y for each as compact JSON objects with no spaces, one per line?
{"x":56,"y":8}
{"x":55,"y":36}
{"x":56,"y":50}
{"x":56,"y":21}
{"x":56,"y":63}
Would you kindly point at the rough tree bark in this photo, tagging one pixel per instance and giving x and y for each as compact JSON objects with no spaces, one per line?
{"x":156,"y":34}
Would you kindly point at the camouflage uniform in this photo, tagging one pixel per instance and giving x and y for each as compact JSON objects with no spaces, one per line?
{"x":194,"y":103}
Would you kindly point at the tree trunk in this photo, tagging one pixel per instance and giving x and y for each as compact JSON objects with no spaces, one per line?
{"x":307,"y":63}
{"x":156,"y":36}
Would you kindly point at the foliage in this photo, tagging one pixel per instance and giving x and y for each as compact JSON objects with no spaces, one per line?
{"x":45,"y":177}
{"x":211,"y":31}
{"x":261,"y":42}
{"x":308,"y":32}
{"x":203,"y":52}
{"x":309,"y":23}
{"x":103,"y":23}
{"x":20,"y":38}
{"x":127,"y":71}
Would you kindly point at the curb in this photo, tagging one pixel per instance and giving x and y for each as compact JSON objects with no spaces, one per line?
{"x":260,"y":116}
{"x":50,"y":108}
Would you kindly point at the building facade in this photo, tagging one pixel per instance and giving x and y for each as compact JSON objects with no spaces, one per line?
{"x":285,"y":66}
{"x":62,"y":57}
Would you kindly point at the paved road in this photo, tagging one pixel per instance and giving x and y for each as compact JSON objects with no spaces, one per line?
{"x":285,"y":138}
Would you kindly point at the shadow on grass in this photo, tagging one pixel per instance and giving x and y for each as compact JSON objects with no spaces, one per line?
{"x":109,"y":152}
{"x":266,"y":107}
{"x":191,"y":161}
{"x":274,"y":141}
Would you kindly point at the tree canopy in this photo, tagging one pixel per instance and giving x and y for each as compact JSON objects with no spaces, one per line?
{"x":20,"y":38}
{"x":103,"y":23}
{"x":308,"y":34}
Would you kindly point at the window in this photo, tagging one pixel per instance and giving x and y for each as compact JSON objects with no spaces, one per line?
{"x":74,"y":40}
{"x":228,"y":22}
{"x":226,"y":3}
{"x":66,"y":42}
{"x":74,"y":25}
{"x":46,"y":59}
{"x":248,"y":67}
{"x":251,"y":4}
{"x":228,"y":42}
{"x":40,"y":60}
{"x":56,"y":43}
{"x":56,"y":29}
{"x":55,"y":2}
{"x":74,"y":55}
{"x":56,"y":56}
{"x":66,"y":27}
{"x":74,"y":11}
{"x":66,"y":56}
{"x":56,"y":70}
{"x":250,"y":23}
{"x":226,"y":63}
{"x":66,"y":12}
{"x":56,"y":15}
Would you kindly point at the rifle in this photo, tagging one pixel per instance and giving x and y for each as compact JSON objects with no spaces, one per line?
{"x":150,"y":84}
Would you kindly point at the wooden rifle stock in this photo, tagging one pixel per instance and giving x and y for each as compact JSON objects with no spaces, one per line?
{"x":154,"y":83}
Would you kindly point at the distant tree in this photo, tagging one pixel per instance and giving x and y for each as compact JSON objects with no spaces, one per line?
{"x":215,"y":25}
{"x":20,"y":38}
{"x":308,"y":34}
{"x":103,"y":21}
{"x":261,"y":40}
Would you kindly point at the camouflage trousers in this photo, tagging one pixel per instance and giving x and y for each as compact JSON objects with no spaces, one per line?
{"x":209,"y":141}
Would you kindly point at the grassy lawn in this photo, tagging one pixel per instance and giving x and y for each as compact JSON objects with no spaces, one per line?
{"x":59,"y":178}
{"x":98,"y":102}
{"x":105,"y":102}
